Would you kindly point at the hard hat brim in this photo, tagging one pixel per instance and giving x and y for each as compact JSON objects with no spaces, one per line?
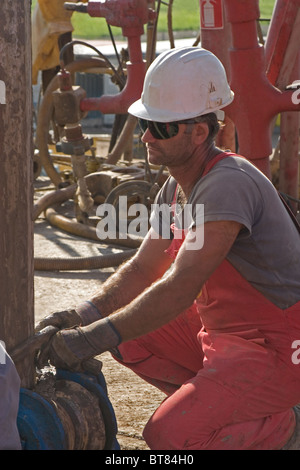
{"x":140,"y":110}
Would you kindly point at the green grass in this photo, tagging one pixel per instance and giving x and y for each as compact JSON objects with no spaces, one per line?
{"x":266,"y":8}
{"x":186,"y":17}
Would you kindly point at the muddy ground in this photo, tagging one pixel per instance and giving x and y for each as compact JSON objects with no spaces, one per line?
{"x":133,"y":400}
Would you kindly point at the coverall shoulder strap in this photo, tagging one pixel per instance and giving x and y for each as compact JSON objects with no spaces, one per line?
{"x":208,"y":167}
{"x":216,"y":159}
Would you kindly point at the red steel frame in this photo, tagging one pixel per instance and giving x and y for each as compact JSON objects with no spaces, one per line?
{"x":258,"y":73}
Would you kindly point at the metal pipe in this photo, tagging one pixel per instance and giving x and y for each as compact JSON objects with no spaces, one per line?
{"x":46,"y":110}
{"x":289,"y":150}
{"x":131,"y":16}
{"x":279,"y":37}
{"x":257,"y":101}
{"x":119,"y":104}
{"x":218,"y":41}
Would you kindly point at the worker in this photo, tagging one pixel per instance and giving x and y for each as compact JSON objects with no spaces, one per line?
{"x":9,"y":403}
{"x":209,"y":310}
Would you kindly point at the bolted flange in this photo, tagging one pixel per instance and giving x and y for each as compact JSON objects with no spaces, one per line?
{"x":67,"y":411}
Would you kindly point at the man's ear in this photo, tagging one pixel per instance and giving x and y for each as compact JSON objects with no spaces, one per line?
{"x":200,"y":132}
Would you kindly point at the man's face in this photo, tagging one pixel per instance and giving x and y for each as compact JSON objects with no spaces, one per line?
{"x":169,"y":152}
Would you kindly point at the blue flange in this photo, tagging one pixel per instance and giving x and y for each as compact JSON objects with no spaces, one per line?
{"x":38,"y":424}
{"x":41,"y":429}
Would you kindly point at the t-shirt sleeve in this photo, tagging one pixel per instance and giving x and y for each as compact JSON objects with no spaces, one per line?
{"x":161,"y":216}
{"x":227,"y":194}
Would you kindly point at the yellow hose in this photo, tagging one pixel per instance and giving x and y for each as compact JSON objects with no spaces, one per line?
{"x":87,"y":231}
{"x":71,"y":226}
{"x":54,"y":197}
{"x":77,"y":264}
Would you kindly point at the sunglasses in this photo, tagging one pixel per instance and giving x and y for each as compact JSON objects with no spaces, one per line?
{"x":163,"y":130}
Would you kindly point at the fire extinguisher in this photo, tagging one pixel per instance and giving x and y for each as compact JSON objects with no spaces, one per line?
{"x":208,"y":14}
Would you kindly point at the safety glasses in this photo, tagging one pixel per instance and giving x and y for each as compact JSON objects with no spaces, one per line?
{"x":163,"y":130}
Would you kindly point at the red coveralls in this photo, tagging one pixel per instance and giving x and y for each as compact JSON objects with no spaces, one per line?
{"x":226,"y":366}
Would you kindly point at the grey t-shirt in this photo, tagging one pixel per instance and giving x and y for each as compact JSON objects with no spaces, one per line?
{"x":267,"y":251}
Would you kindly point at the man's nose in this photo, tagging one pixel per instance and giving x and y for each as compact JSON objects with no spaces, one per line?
{"x":147,"y":137}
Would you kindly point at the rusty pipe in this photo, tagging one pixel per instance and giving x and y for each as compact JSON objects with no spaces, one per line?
{"x":46,"y":110}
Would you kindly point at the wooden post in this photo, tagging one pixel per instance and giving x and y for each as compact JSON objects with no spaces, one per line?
{"x":16,"y":177}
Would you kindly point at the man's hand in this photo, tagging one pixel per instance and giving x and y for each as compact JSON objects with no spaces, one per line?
{"x":73,"y":348}
{"x":62,"y":357}
{"x":83,"y":314}
{"x":64,"y":319}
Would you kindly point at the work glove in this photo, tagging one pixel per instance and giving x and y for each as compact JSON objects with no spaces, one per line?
{"x":83,"y":314}
{"x":72,"y":349}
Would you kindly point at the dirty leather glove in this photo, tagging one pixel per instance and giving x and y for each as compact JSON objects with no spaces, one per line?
{"x":83,"y":314}
{"x":71,"y":348}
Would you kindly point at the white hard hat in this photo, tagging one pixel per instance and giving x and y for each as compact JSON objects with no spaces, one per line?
{"x":183,"y":83}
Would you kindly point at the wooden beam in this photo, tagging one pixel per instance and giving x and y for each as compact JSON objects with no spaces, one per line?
{"x":16,"y":180}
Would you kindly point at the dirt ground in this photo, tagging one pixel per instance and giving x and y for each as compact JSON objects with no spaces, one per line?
{"x":133,"y":400}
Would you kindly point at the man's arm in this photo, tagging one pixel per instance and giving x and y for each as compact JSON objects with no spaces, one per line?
{"x":121,"y":288}
{"x":168,"y":297}
{"x":157,"y":305}
{"x":131,"y":279}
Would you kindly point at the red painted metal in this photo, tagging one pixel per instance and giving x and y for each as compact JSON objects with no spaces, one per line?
{"x":211,"y":14}
{"x":289,"y":149}
{"x":256,"y":101}
{"x":281,"y":48}
{"x":283,"y":67}
{"x":218,"y":41}
{"x":131,"y":16}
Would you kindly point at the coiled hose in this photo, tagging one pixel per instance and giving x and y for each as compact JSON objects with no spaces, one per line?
{"x":44,"y":204}
{"x":78,"y":264}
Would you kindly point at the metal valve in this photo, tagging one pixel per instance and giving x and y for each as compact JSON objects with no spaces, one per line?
{"x":129,"y":15}
{"x":81,"y":7}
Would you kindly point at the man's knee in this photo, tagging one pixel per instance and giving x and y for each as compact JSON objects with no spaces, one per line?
{"x":159,"y":435}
